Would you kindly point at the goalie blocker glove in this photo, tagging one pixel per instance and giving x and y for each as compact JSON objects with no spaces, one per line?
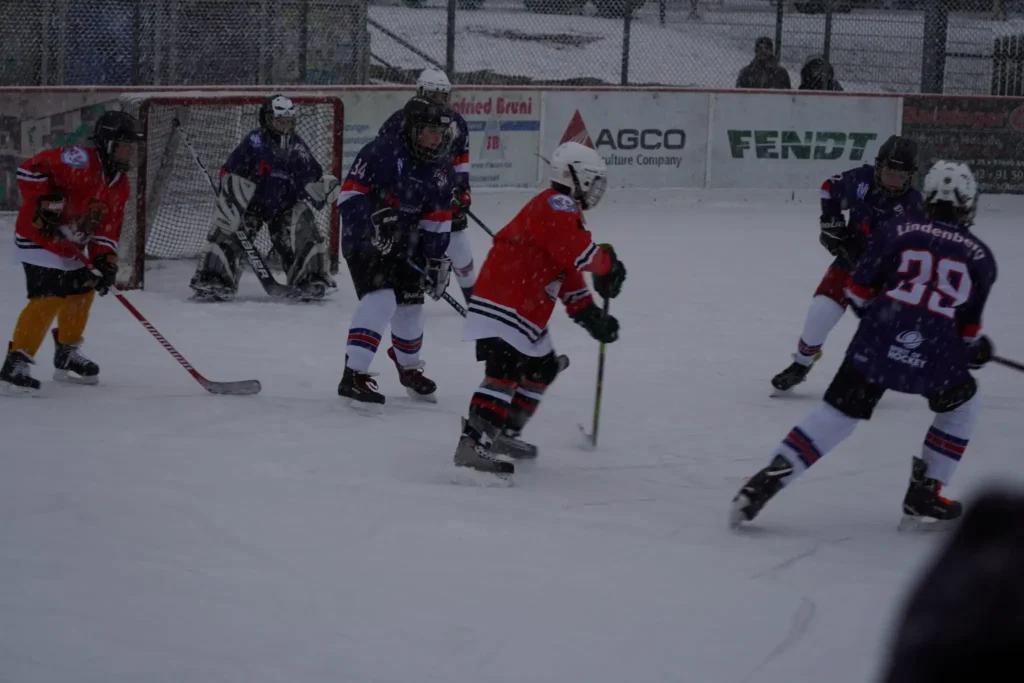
{"x":603,"y":328}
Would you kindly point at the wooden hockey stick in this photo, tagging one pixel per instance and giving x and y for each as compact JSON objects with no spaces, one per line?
{"x":244,"y":388}
{"x":270,"y":284}
{"x":599,"y":388}
{"x":480,"y":223}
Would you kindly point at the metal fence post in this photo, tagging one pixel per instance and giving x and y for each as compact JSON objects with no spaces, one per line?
{"x":933,"y":52}
{"x":449,"y":48}
{"x":627,"y":30}
{"x":779,"y":8}
{"x":826,"y":49}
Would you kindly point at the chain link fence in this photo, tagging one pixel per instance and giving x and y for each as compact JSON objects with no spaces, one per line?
{"x":952,"y":46}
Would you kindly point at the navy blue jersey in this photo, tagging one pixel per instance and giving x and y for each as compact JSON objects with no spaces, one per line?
{"x":855,"y":190}
{"x":459,"y":147}
{"x":383,"y":174}
{"x":923,"y":286}
{"x":280,"y":173}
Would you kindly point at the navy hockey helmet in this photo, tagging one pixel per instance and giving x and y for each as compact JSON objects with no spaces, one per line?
{"x":895,"y":165}
{"x":277,"y":115}
{"x":427,"y":129}
{"x":112,"y":128}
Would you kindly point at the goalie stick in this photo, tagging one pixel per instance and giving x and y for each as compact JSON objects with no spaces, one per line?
{"x":243,"y":388}
{"x":270,"y":285}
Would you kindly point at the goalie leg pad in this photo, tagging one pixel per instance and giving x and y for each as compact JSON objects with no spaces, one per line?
{"x":234,"y":198}
{"x":303,"y":250}
{"x":218,"y":272}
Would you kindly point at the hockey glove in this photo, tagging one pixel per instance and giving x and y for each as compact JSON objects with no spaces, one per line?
{"x":321,"y":192}
{"x":438,"y":272}
{"x":834,"y":234}
{"x":106,"y":263}
{"x":609,"y":285}
{"x":460,"y":208}
{"x":981,"y":352}
{"x":603,"y":328}
{"x":385,"y":229}
{"x":47,"y":218}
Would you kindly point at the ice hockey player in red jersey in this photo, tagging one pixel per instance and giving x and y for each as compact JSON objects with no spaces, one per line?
{"x":537,"y":258}
{"x":70,"y":195}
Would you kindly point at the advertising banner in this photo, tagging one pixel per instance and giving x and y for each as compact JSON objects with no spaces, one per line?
{"x":648,"y":139}
{"x":794,"y":142}
{"x":985,"y":133}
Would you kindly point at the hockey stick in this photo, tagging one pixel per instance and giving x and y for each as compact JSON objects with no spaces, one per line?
{"x":270,"y":285}
{"x":480,"y":223}
{"x":243,"y":388}
{"x":1006,"y":362}
{"x":592,"y":437}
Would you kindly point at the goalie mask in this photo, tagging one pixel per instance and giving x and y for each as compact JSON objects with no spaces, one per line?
{"x":277,"y":115}
{"x":582,"y":170}
{"x":117,"y":136}
{"x":427,"y":129}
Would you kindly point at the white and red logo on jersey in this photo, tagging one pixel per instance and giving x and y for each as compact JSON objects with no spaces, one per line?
{"x":576,"y":131}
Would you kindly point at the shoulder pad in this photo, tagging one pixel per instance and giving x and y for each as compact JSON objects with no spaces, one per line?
{"x":75,"y":157}
{"x":560,"y":202}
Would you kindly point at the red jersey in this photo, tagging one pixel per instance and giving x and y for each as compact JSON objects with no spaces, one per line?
{"x":89,"y":198}
{"x":537,"y":258}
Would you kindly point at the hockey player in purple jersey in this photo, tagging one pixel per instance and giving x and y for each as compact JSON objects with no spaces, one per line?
{"x":435,"y":85}
{"x":872,"y":195}
{"x":920,"y":290}
{"x":396,"y":207}
{"x":270,"y":178}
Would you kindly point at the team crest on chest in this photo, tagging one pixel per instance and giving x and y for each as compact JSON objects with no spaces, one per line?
{"x":75,"y":157}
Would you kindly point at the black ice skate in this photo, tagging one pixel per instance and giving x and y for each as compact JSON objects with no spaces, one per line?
{"x":793,"y":375}
{"x":923,"y":506}
{"x":508,"y":443}
{"x":212,"y":288}
{"x":69,"y":365}
{"x":416,"y":384}
{"x":475,"y":463}
{"x":359,"y":386}
{"x":16,"y":377}
{"x":758,"y":490}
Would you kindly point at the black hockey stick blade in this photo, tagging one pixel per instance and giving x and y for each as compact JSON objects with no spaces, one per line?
{"x":246,"y":387}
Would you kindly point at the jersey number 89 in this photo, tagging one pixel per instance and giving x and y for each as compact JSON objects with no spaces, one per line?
{"x":947,"y":282}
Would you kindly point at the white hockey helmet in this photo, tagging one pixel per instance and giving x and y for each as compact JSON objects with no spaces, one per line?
{"x":582,"y":170}
{"x":952,"y":183}
{"x":434,"y":84}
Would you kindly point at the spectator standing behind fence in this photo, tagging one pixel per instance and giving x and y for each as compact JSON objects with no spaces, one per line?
{"x":764,"y":72}
{"x":818,"y":74}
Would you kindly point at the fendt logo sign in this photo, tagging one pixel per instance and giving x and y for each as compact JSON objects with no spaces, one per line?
{"x":791,"y":144}
{"x":628,"y":146}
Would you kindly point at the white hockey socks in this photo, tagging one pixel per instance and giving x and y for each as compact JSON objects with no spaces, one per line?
{"x":820,"y":432}
{"x":822,"y":317}
{"x":947,"y":438}
{"x":368,"y":323}
{"x":461,"y":254}
{"x":407,"y":334}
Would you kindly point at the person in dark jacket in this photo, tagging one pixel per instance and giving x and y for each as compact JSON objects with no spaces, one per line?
{"x":818,"y":74}
{"x":764,"y":72}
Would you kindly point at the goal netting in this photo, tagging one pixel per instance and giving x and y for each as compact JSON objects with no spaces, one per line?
{"x":171,"y":205}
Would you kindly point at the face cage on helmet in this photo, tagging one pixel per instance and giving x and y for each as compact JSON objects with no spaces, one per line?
{"x":892,"y":192}
{"x":282,"y":125}
{"x":109,"y":160}
{"x":592,"y":196}
{"x":440,"y":96}
{"x":428,"y":154}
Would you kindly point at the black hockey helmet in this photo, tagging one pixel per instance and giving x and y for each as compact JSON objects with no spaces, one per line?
{"x":895,"y":165}
{"x":277,"y":115}
{"x":113,"y":127}
{"x":427,"y":128}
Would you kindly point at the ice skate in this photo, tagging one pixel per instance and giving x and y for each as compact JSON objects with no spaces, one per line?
{"x":359,"y":388}
{"x":508,"y":443}
{"x":16,"y":377}
{"x":71,"y":366}
{"x":417,"y":385}
{"x":924,"y":508}
{"x":475,"y":463}
{"x":758,"y":490}
{"x":211,"y":289}
{"x":793,"y":375}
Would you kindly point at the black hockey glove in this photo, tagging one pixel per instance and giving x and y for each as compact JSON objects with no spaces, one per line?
{"x":460,"y":210}
{"x":107,"y":265}
{"x":609,"y":285}
{"x":835,"y":236}
{"x":438,"y":272}
{"x":981,"y":352}
{"x":603,"y":328}
{"x":385,"y":229}
{"x":47,"y":218}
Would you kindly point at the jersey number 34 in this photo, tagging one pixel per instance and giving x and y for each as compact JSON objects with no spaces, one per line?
{"x":946,"y":282}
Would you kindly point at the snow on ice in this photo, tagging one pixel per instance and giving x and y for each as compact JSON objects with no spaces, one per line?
{"x":152,"y":532}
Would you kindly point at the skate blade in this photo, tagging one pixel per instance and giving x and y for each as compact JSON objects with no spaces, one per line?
{"x":912,"y":523}
{"x":467,"y":476}
{"x":422,"y":398}
{"x":365,"y":408}
{"x":14,"y":391}
{"x":68,"y":377}
{"x":736,"y":515}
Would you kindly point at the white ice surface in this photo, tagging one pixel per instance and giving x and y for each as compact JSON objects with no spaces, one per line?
{"x":152,"y":532}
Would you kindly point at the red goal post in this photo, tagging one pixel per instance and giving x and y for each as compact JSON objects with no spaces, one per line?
{"x":171,"y":205}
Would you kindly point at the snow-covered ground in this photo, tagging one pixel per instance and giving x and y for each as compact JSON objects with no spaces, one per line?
{"x":873,"y":50}
{"x":152,"y":532}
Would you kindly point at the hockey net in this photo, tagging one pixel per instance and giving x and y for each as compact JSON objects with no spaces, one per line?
{"x":171,"y":206}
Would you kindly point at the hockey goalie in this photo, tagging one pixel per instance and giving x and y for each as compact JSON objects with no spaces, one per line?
{"x":272,"y":179}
